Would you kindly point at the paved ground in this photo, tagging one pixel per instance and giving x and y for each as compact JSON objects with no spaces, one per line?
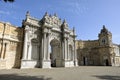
{"x":74,"y":73}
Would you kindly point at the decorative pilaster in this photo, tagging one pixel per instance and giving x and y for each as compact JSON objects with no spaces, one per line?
{"x":62,"y":49}
{"x":41,"y":57}
{"x":5,"y":48}
{"x":25,"y":46}
{"x":29,"y":51}
{"x":45,"y":61}
{"x":67,"y":50}
{"x":75,"y":55}
{"x":48,"y":53}
{"x":44,"y":47}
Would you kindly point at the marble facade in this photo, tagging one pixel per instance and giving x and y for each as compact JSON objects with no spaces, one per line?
{"x":48,"y":43}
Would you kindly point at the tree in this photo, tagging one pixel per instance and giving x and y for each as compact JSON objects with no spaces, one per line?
{"x":8,"y":0}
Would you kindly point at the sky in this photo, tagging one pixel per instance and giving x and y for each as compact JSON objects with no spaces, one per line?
{"x":87,"y":16}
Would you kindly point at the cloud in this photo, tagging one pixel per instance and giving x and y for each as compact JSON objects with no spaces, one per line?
{"x":9,"y":12}
{"x":77,"y":7}
{"x":5,"y":12}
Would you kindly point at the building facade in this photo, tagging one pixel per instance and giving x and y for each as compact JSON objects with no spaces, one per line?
{"x":101,"y":52}
{"x":10,"y":45}
{"x":48,"y":42}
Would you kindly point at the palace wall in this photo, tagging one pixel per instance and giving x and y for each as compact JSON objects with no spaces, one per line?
{"x":10,"y":45}
{"x":98,"y":52}
{"x":87,"y":44}
{"x":87,"y":51}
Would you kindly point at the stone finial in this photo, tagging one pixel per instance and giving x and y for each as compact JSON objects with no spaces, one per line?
{"x":64,"y":21}
{"x":73,"y":29}
{"x":55,"y":14}
{"x":65,"y":24}
{"x":74,"y":32}
{"x":50,"y":15}
{"x":104,"y":27}
{"x":27,"y":13}
{"x":23,"y":22}
{"x":105,"y":30}
{"x":46,"y":13}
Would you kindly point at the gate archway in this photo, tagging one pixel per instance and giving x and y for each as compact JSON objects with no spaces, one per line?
{"x":55,"y":55}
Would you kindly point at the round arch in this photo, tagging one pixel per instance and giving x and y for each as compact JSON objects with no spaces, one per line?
{"x":55,"y":52}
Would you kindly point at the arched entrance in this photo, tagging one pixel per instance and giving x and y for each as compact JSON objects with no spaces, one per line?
{"x":85,"y":61}
{"x":55,"y":53}
{"x":106,"y":62}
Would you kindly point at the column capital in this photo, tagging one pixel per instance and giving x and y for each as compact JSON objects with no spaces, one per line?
{"x":67,"y":38}
{"x":44,"y":32}
{"x":74,"y":40}
{"x":26,"y":28}
{"x":49,"y":33}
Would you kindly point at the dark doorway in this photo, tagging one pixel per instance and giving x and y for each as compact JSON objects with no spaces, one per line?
{"x":107,"y":62}
{"x":84,"y":61}
{"x":53,"y":63}
{"x":55,"y":52}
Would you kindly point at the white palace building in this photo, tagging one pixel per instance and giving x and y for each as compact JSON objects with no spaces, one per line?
{"x":47,"y":43}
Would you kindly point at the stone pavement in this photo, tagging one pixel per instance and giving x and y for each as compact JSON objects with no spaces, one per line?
{"x":73,"y":73}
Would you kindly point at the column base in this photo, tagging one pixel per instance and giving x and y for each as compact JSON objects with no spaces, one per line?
{"x":76,"y":63}
{"x":59,"y":63}
{"x":3,"y":64}
{"x":45,"y":64}
{"x":29,"y":64}
{"x":68,"y":63}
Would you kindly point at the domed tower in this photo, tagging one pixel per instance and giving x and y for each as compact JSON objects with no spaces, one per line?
{"x":105,"y":37}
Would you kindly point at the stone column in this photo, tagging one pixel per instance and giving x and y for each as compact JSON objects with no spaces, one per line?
{"x":48,"y":53}
{"x":45,"y":63}
{"x":29,"y":50}
{"x":67,"y":50}
{"x":41,"y":48}
{"x":24,"y":57}
{"x":44,"y":47}
{"x":75,"y":55}
{"x":72,"y":52}
{"x":5,"y":49}
{"x":63,"y":56}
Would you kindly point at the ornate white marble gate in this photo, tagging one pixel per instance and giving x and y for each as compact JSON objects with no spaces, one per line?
{"x":40,"y":35}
